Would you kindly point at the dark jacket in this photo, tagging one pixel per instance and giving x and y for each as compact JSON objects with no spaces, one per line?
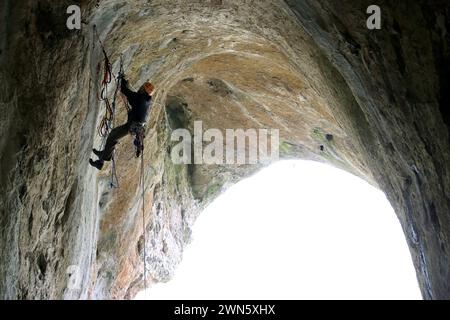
{"x":140,"y":104}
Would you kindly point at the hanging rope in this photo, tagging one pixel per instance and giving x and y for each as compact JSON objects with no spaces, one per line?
{"x":139,"y":135}
{"x":142,"y":183}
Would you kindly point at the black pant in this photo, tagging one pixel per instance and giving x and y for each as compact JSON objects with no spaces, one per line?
{"x":113,"y":138}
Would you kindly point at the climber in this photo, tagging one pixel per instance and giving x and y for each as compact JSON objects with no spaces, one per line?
{"x":140,"y":103}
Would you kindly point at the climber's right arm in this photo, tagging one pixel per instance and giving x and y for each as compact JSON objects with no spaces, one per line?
{"x":126,"y":91}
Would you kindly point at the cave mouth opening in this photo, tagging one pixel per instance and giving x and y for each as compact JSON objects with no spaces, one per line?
{"x":295,"y":230}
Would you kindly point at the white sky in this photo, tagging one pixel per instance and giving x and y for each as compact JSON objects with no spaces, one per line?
{"x":295,"y":230}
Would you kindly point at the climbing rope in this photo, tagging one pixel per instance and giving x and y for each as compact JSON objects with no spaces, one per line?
{"x":142,"y":183}
{"x":139,"y":134}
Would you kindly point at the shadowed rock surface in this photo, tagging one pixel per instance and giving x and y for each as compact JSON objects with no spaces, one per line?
{"x":374,"y":103}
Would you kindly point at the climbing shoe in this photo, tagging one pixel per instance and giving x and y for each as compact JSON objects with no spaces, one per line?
{"x":97,"y":153}
{"x":96,"y":164}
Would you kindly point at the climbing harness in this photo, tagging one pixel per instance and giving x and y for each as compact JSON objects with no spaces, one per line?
{"x":138,"y":131}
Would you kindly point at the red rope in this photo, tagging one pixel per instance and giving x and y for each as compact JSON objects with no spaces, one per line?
{"x":106,"y":122}
{"x":107,"y":119}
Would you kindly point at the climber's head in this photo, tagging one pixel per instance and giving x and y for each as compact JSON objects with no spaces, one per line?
{"x":147,"y":87}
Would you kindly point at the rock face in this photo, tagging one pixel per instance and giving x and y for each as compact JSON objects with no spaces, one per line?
{"x":373,"y":102}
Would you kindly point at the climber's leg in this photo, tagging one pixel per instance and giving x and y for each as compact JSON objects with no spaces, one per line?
{"x":113,"y":138}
